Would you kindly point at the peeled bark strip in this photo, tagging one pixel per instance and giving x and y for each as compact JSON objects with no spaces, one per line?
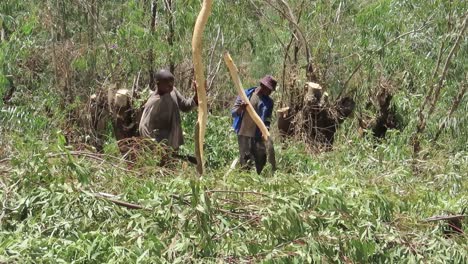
{"x":240,"y":90}
{"x":200,"y":127}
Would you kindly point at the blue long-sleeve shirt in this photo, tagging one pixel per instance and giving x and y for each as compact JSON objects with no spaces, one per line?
{"x":264,"y":110}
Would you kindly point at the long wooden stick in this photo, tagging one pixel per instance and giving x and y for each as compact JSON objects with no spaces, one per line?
{"x":111,"y":198}
{"x":240,"y":90}
{"x":238,"y":192}
{"x":200,"y":127}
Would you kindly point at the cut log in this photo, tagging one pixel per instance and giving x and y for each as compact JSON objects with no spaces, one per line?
{"x":314,"y":94}
{"x":200,"y":126}
{"x":121,"y":98}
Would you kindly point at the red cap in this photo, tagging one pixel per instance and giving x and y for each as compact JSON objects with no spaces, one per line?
{"x":269,"y":82}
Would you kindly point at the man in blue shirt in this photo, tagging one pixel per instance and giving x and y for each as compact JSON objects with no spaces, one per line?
{"x":251,"y":146}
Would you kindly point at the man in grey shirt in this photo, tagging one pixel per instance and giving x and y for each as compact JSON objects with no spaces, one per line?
{"x":161,"y":114}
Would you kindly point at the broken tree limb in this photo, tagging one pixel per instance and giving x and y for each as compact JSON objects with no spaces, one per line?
{"x":238,"y":192}
{"x":444,"y":217}
{"x":200,"y":127}
{"x":240,"y":90}
{"x":110,"y":198}
{"x":5,"y":160}
{"x":125,"y":204}
{"x":453,"y":221}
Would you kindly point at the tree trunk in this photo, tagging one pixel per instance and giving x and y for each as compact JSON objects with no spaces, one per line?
{"x":152,"y":82}
{"x":92,"y":20}
{"x":170,"y":38}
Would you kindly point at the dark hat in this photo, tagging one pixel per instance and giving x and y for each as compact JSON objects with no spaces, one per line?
{"x":269,"y":82}
{"x":164,"y":75}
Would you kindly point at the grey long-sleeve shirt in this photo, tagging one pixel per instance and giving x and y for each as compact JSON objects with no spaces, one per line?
{"x":161,"y":117}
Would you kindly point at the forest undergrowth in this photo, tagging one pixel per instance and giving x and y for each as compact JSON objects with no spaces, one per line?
{"x":363,"y":202}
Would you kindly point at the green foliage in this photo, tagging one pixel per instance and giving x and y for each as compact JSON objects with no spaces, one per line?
{"x":361,"y":202}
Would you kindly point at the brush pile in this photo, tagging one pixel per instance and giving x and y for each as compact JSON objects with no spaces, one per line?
{"x":314,"y":119}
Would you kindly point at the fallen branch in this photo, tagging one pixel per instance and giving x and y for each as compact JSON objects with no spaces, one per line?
{"x":459,"y":230}
{"x":238,"y":192}
{"x":4,"y":171}
{"x":444,"y":217}
{"x":5,"y":160}
{"x":109,"y":197}
{"x":126,"y":204}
